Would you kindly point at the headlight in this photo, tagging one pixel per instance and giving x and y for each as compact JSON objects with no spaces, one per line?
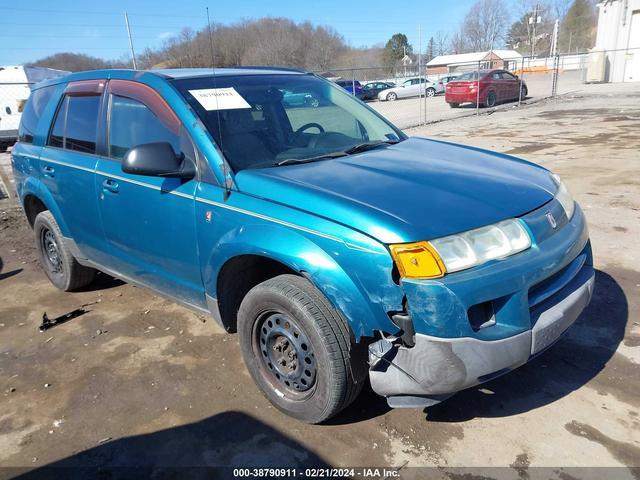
{"x":564,"y":197}
{"x":457,"y":252}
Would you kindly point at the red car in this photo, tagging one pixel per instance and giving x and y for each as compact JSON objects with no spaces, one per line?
{"x":494,"y":85}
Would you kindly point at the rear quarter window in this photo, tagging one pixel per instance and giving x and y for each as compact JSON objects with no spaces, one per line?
{"x":36,"y":104}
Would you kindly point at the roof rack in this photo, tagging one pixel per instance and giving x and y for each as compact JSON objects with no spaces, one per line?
{"x":267,"y":67}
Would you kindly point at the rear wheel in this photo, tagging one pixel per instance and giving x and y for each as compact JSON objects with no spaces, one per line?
{"x":58,"y":263}
{"x":431,"y":92}
{"x":490,"y":100}
{"x":454,"y":105}
{"x":314,"y":102}
{"x":392,"y":96}
{"x":298,"y":350}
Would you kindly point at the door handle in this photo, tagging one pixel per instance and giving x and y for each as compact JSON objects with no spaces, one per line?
{"x":48,"y":171}
{"x":110,"y":185}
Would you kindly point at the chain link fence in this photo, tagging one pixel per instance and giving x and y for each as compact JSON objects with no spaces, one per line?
{"x":414,"y":96}
{"x":13,"y":96}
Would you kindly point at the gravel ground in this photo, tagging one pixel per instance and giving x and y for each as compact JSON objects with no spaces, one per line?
{"x":136,"y":380}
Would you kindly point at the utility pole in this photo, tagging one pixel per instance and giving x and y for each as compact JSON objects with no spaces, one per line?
{"x":554,"y":38}
{"x":556,"y":58}
{"x":534,"y":21}
{"x":404,"y":55}
{"x":133,"y":55}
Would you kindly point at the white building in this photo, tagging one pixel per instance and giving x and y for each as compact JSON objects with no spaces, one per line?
{"x":619,"y":36}
{"x":507,"y":59}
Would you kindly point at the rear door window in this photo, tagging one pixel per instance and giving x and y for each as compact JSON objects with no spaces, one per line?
{"x":76,"y":123}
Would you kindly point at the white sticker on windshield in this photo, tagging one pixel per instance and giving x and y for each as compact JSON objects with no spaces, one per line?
{"x":219,"y":98}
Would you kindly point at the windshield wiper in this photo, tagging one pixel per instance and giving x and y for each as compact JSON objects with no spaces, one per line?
{"x":290,"y":161}
{"x":361,"y":147}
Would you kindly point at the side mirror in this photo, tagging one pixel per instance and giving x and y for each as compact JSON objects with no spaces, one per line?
{"x":157,"y":160}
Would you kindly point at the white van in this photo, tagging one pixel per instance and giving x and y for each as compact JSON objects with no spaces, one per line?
{"x":15,"y":88}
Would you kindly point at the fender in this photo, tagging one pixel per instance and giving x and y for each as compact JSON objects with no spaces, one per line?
{"x":361,"y":304}
{"x":33,"y":186}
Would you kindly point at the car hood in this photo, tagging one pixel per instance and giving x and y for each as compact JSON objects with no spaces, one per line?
{"x":419,"y":189}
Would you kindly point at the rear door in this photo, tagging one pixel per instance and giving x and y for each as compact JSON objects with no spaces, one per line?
{"x":68,"y":162}
{"x":149,"y":222}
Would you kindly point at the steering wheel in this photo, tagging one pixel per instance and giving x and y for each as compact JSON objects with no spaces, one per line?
{"x":304,"y":127}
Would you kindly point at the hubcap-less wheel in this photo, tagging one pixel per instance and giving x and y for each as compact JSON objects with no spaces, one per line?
{"x":52,"y":253}
{"x":287,"y":358}
{"x":491,"y":99}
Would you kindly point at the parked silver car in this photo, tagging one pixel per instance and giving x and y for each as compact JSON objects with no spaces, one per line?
{"x":411,"y":88}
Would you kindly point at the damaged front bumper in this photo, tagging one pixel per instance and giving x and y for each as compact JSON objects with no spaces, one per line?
{"x":436,"y":368}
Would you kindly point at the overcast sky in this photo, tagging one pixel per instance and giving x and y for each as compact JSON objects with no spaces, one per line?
{"x":29,"y":31}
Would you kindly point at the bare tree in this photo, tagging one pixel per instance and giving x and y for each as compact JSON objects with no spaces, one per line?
{"x":459,"y":42}
{"x":485,"y":25}
{"x":441,"y":43}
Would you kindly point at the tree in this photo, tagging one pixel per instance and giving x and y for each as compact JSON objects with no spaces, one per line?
{"x":458,"y":42}
{"x":520,"y":35}
{"x":397,"y":47}
{"x":578,"y":28}
{"x":485,"y":25}
{"x":441,"y":43}
{"x":75,"y":62}
{"x":431,"y":48}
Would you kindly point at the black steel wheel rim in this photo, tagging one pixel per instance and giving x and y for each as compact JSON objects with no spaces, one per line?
{"x":285,"y":354}
{"x":51,"y":251}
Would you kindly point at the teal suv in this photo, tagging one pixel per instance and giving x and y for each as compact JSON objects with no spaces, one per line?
{"x":334,"y":245}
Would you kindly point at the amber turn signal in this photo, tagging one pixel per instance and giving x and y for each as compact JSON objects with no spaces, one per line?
{"x":417,"y":260}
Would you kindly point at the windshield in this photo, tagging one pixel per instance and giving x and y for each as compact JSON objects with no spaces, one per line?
{"x":269,"y":120}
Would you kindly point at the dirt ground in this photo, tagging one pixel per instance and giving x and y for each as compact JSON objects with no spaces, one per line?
{"x":134,"y":380}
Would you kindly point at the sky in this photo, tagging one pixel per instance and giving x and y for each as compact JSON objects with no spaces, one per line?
{"x":32,"y":30}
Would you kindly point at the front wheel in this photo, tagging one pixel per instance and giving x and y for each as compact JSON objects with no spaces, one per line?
{"x":392,"y":96}
{"x":523,"y":92}
{"x":314,"y":102}
{"x":58,"y":263}
{"x":297,"y":348}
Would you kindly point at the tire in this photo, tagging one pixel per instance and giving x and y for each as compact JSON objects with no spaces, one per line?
{"x":62,"y":269}
{"x":314,"y":102}
{"x":523,"y":92}
{"x":391,"y":96}
{"x":431,"y":92}
{"x":3,"y":147}
{"x":454,"y":105}
{"x":491,"y":99}
{"x":285,"y":315}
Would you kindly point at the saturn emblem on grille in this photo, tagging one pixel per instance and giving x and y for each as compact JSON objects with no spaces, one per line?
{"x":552,"y":220}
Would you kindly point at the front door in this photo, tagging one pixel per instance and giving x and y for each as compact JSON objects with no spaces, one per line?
{"x":149,"y":222}
{"x":511,"y":85}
